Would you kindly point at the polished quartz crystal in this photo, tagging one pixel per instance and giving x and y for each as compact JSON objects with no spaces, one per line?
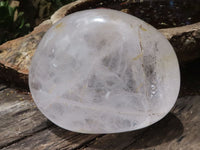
{"x":104,"y":71}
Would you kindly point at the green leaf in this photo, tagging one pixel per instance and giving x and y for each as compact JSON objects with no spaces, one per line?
{"x":27,"y":25}
{"x":11,"y":11}
{"x":16,"y":35}
{"x":22,"y":23}
{"x":20,"y":14}
{"x":11,"y":28}
{"x":4,"y":3}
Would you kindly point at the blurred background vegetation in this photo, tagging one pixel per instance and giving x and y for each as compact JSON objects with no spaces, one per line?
{"x":18,"y":18}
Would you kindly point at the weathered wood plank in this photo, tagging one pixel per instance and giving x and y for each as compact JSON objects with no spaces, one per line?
{"x":53,"y":138}
{"x":178,"y":130}
{"x":19,"y":117}
{"x":21,"y":122}
{"x":187,"y":110}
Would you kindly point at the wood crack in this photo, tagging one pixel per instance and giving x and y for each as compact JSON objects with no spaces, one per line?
{"x":24,"y":137}
{"x":135,"y":139}
{"x":86,"y":143}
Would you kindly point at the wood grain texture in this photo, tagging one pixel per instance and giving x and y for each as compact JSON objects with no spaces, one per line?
{"x":19,"y":117}
{"x":53,"y":138}
{"x":22,"y":126}
{"x":178,"y":130}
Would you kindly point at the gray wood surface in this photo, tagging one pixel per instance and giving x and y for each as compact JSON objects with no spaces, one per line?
{"x":23,"y":127}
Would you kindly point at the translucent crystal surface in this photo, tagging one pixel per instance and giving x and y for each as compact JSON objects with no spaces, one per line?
{"x":104,"y":71}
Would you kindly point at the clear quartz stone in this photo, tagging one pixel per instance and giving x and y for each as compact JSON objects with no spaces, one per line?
{"x":104,"y":71}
